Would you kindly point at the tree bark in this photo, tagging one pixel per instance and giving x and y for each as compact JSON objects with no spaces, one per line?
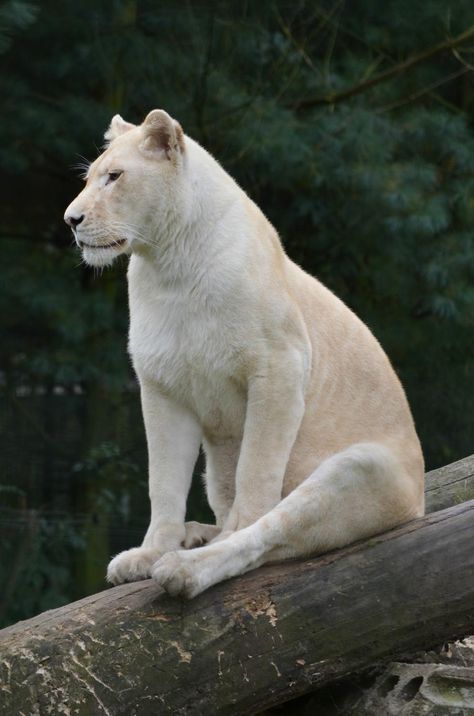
{"x":450,"y":485}
{"x":439,"y":683}
{"x":256,"y":640}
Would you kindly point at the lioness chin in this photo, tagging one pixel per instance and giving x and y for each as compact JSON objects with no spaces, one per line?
{"x":308,"y":436}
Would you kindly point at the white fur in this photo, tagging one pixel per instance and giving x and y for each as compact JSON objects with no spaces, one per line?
{"x":308,"y":436}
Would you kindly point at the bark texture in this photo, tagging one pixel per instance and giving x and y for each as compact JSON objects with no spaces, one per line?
{"x":450,"y":485}
{"x":256,"y":640}
{"x":439,"y":682}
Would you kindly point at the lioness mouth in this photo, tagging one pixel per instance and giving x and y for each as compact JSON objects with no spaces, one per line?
{"x":113,"y":244}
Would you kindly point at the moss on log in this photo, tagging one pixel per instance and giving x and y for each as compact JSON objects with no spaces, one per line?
{"x":254,"y":641}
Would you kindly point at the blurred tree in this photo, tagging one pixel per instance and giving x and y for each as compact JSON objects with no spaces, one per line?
{"x":352,"y":128}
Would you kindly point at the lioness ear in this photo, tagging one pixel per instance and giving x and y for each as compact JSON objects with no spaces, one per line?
{"x":163,"y":135}
{"x":117,"y":127}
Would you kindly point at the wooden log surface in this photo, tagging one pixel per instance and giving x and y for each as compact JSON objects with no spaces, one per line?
{"x":255,"y":640}
{"x":437,"y":682}
{"x":450,"y":485}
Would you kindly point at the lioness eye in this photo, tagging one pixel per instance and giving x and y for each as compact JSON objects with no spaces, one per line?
{"x":113,"y":176}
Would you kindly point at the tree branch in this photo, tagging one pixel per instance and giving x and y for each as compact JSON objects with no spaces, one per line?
{"x":389,"y":74}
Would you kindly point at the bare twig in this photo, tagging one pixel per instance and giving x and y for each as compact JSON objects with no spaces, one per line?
{"x":332,"y":41}
{"x":299,"y":47}
{"x":389,"y":74}
{"x":461,"y":59}
{"x":425,"y":90}
{"x":200,"y":97}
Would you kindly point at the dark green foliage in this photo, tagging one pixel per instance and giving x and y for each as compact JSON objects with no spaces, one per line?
{"x":36,"y":563}
{"x":15,"y":16}
{"x":373,"y":193}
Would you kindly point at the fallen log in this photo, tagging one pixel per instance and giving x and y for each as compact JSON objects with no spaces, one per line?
{"x":437,"y":682}
{"x":450,"y":485}
{"x":440,"y":683}
{"x":254,"y":641}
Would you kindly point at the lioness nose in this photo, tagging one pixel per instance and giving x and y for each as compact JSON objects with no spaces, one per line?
{"x":72,"y":220}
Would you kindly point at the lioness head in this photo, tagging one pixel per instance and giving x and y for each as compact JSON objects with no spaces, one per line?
{"x":132,"y":187}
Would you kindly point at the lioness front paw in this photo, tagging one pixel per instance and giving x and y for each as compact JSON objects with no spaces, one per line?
{"x":132,"y":565}
{"x":178,"y":574}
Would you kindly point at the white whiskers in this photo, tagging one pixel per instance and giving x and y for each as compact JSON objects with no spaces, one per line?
{"x":82,"y":167}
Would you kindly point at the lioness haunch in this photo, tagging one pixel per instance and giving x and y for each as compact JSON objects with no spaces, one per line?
{"x":308,"y":436}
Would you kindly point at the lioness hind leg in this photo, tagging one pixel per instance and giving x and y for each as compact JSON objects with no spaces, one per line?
{"x":353,"y":494}
{"x":198,"y":533}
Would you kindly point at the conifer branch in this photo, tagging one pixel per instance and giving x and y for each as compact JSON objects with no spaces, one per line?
{"x":386,"y":75}
{"x":427,"y":90}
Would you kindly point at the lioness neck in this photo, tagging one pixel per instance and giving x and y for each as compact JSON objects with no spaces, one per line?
{"x":213,"y":220}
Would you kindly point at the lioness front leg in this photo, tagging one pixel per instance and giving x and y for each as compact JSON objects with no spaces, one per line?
{"x":275,"y":407}
{"x":173,"y":438}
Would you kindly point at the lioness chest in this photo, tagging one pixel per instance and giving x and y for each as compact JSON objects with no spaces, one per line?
{"x":193,"y":355}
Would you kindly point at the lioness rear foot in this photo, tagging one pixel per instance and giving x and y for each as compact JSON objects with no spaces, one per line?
{"x":198,"y":534}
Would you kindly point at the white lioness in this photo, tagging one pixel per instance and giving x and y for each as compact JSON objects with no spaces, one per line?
{"x":308,"y":436}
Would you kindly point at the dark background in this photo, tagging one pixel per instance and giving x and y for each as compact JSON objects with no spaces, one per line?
{"x":363,"y":162}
